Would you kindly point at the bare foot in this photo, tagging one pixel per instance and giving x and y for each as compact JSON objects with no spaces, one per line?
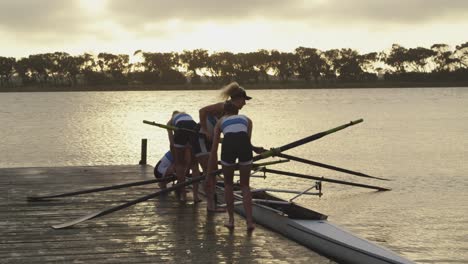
{"x":250,"y":227}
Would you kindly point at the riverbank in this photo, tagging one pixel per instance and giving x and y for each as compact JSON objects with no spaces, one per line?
{"x":260,"y":86}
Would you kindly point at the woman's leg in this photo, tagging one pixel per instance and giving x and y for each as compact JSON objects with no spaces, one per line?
{"x":246,"y":194}
{"x":181,"y":166}
{"x":210,"y":186}
{"x":228,"y":172}
{"x":195,"y":173}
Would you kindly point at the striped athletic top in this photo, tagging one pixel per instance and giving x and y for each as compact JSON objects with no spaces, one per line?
{"x":166,"y":161}
{"x":181,"y":117}
{"x":234,"y":124}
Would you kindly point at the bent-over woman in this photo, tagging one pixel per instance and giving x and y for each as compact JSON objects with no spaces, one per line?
{"x":237,"y":131}
{"x":181,"y":141}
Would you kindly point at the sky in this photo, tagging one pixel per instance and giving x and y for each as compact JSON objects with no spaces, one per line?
{"x":122,"y":27}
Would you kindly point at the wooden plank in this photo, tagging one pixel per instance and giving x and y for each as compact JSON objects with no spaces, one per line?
{"x":159,"y":230}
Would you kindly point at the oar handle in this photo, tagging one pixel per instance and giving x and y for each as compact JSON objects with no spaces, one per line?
{"x":169,"y":127}
{"x":160,"y":125}
{"x":99,"y":189}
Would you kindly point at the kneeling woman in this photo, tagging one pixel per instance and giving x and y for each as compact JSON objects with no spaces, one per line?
{"x":164,"y":168}
{"x":237,"y":131}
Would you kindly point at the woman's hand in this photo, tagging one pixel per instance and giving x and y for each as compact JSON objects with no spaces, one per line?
{"x":258,"y":150}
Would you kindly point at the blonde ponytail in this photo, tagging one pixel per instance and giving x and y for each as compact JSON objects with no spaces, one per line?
{"x":228,"y":90}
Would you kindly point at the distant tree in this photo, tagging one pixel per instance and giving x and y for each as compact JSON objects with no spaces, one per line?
{"x":283,"y":64}
{"x":348,"y":65}
{"x":115,"y":65}
{"x":418,"y":58}
{"x":368,"y":61}
{"x":443,"y":57}
{"x":22,"y":68}
{"x":6,"y":70}
{"x":221,"y":67}
{"x":461,"y":53}
{"x":40,"y":66}
{"x":397,"y":58}
{"x":194,"y":61}
{"x":162,"y":67}
{"x":331,"y":57}
{"x":262,"y":64}
{"x":72,"y":67}
{"x":310,"y":63}
{"x":244,"y":68}
{"x":57,"y":66}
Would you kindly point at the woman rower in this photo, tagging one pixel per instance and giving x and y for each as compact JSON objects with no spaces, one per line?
{"x":182,"y":140}
{"x":164,"y":168}
{"x":209,"y":116}
{"x":237,"y":131}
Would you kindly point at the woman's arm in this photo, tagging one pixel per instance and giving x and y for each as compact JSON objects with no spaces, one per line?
{"x":215,"y":110}
{"x":249,"y":128}
{"x":257,"y":150}
{"x":213,"y":161}
{"x":170,"y":133}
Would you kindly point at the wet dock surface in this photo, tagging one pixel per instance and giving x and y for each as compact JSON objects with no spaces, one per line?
{"x":155,"y":231}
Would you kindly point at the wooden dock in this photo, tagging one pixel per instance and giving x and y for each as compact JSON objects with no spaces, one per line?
{"x":155,"y":231}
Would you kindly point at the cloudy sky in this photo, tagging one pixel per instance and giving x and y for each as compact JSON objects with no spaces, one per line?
{"x":123,"y":26}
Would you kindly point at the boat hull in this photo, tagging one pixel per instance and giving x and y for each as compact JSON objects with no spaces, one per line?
{"x":322,"y":236}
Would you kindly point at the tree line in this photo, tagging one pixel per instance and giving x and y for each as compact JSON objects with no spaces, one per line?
{"x":440,"y":62}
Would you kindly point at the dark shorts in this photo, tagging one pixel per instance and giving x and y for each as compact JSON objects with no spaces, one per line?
{"x":181,"y":137}
{"x":156,"y":172}
{"x":236,"y":146}
{"x":202,"y":146}
{"x":198,"y":142}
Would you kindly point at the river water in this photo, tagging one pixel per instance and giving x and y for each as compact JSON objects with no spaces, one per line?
{"x":417,"y":137}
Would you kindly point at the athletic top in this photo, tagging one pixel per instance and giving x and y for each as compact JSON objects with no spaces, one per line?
{"x":235,"y":124}
{"x":181,"y":117}
{"x":165,"y":163}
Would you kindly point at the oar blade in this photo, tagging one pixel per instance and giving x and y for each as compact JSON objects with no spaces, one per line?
{"x":76,"y":221}
{"x":36,"y":198}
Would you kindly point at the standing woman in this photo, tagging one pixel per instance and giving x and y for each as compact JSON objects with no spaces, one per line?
{"x":181,"y":141}
{"x":237,"y":131}
{"x":209,"y":116}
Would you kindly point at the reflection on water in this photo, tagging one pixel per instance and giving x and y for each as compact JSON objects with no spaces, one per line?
{"x":415,"y":136}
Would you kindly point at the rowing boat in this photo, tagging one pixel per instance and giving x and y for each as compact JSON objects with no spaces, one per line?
{"x":313,"y":230}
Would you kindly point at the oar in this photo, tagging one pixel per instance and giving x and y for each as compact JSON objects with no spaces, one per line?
{"x":147,"y":197}
{"x":200,"y":178}
{"x":275,"y":151}
{"x":127,"y":204}
{"x":297,"y":175}
{"x":318,"y":164}
{"x":169,"y":127}
{"x":100,"y":189}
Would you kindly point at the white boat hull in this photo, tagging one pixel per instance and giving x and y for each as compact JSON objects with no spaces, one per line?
{"x":323,"y":237}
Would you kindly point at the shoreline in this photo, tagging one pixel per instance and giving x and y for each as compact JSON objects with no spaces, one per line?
{"x":262,"y":86}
